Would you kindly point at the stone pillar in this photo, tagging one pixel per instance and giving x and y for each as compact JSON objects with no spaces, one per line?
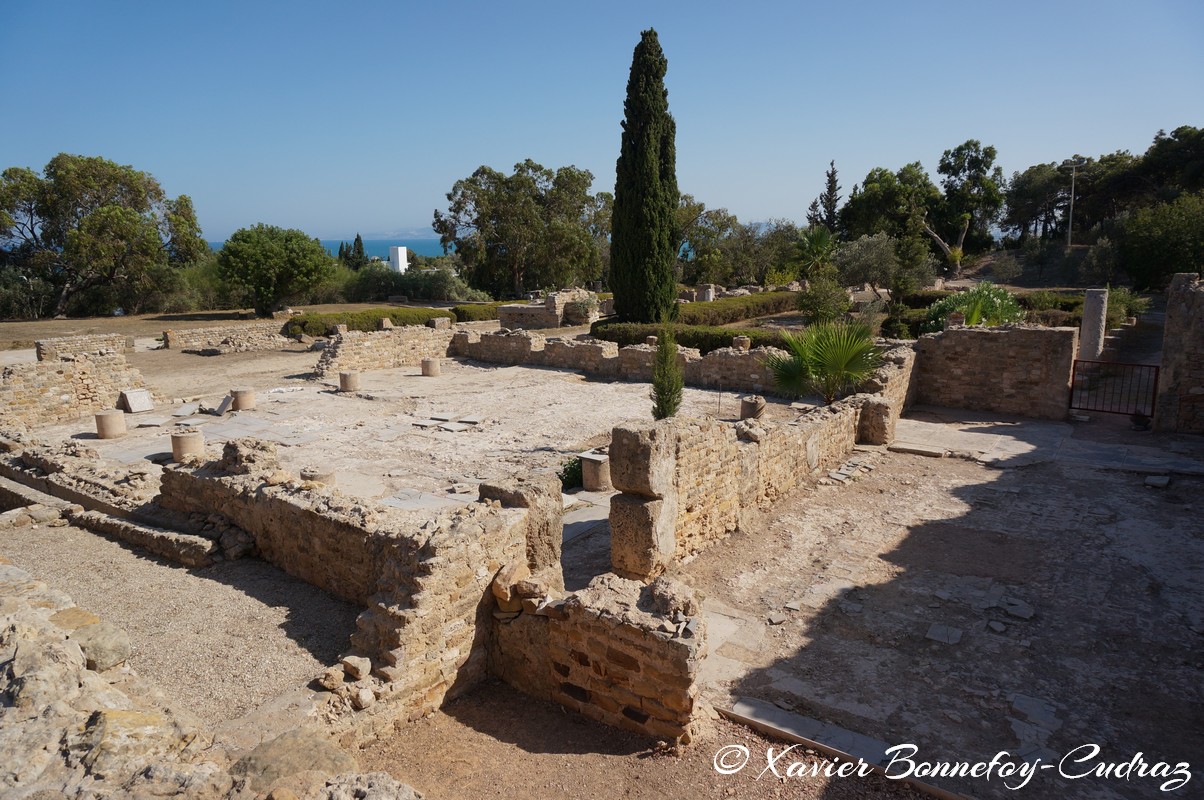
{"x":1095,"y":324}
{"x":324,"y":475}
{"x":244,"y":399}
{"x":110,"y":424}
{"x":752,"y":407}
{"x":595,"y":472}
{"x":432,"y":367}
{"x":349,"y":381}
{"x":335,"y":330}
{"x":741,"y":342}
{"x":651,"y":340}
{"x":706,"y":293}
{"x":188,"y":443}
{"x":384,"y":324}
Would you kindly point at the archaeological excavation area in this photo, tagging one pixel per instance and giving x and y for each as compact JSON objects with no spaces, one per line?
{"x":353,"y":570}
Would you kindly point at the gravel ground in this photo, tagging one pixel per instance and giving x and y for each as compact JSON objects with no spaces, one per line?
{"x":221,"y":640}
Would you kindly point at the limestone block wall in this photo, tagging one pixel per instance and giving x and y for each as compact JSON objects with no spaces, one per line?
{"x":424,"y":582}
{"x":528,"y":315}
{"x":733,"y":370}
{"x":53,"y":391}
{"x":687,"y":483}
{"x":1180,"y":405}
{"x":619,"y":652}
{"x":229,"y":338}
{"x":395,"y":347}
{"x":67,"y":347}
{"x":1012,"y":369}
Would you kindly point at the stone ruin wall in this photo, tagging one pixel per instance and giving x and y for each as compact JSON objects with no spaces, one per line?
{"x":429,"y":624}
{"x":229,"y":338}
{"x":1180,"y":405}
{"x":550,"y":314}
{"x":727,"y":368}
{"x":46,"y":392}
{"x":67,"y":347}
{"x":687,"y":483}
{"x":620,"y":652}
{"x":395,"y":347}
{"x":1012,"y":369}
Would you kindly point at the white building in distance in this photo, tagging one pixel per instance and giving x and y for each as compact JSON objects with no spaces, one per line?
{"x":398,"y":259}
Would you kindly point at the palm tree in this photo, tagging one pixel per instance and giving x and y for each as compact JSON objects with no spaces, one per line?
{"x":816,"y":246}
{"x":830,"y":359}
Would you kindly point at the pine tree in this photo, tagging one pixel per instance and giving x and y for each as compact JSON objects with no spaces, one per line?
{"x":830,"y":199}
{"x":646,"y":197}
{"x":343,"y":253}
{"x":814,"y":216}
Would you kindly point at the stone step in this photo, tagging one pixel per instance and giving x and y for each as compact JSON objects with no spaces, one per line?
{"x":183,"y":548}
{"x":918,"y":449}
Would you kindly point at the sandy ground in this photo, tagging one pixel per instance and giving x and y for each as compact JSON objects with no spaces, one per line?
{"x":498,"y":742}
{"x":220,"y":640}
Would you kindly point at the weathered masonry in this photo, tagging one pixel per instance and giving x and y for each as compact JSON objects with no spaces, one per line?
{"x":1181,"y":386}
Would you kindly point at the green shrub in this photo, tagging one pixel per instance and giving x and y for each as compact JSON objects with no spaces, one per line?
{"x":727,"y":310}
{"x":1046,"y":300}
{"x":831,"y":359}
{"x":478,"y":312}
{"x":704,"y":338}
{"x":570,"y":474}
{"x":314,"y":324}
{"x":1122,"y":303}
{"x":824,"y":299}
{"x":925,"y":298}
{"x":1055,"y":318}
{"x":985,"y":304}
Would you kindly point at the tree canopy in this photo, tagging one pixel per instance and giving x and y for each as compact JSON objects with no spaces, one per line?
{"x":644,"y":238}
{"x":87,"y":223}
{"x":273,"y":263}
{"x":535,"y":228}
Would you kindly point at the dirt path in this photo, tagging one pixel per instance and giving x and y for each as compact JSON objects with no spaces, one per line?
{"x":220,"y":640}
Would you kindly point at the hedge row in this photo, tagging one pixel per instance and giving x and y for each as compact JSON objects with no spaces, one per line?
{"x":704,"y":337}
{"x":925,"y":297}
{"x":727,"y":310}
{"x":313,"y":324}
{"x":478,"y":312}
{"x":1046,"y":300}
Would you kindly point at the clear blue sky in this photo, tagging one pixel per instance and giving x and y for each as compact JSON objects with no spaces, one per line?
{"x":360,"y":117}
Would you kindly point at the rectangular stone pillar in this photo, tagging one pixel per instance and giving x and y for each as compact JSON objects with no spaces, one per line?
{"x":1095,"y":324}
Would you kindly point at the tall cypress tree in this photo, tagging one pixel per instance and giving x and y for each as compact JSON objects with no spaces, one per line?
{"x":830,"y":199}
{"x":642,"y":251}
{"x":358,"y":259}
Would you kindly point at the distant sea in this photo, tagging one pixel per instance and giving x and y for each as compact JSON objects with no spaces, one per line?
{"x":377,"y":247}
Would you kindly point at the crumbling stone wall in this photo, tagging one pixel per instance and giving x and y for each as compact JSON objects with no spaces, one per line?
{"x":619,"y":652}
{"x":67,"y":347}
{"x":78,"y":722}
{"x":228,"y":338}
{"x":726,"y":368}
{"x":1180,"y":405}
{"x":1012,"y":369}
{"x":395,"y":347}
{"x":686,"y":483}
{"x":554,"y":311}
{"x":74,"y":386}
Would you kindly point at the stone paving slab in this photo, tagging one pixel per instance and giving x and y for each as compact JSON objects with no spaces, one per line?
{"x":833,"y":739}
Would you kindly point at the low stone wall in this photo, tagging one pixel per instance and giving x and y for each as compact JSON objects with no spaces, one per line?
{"x":67,"y":347}
{"x":1180,"y":404}
{"x":229,"y":338}
{"x":726,"y":368}
{"x":687,"y":483}
{"x":395,"y":347}
{"x":556,"y":309}
{"x":1012,"y":369}
{"x":619,"y":652}
{"x":53,"y":391}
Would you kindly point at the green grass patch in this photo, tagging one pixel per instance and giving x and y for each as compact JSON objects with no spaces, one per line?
{"x":703,"y":337}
